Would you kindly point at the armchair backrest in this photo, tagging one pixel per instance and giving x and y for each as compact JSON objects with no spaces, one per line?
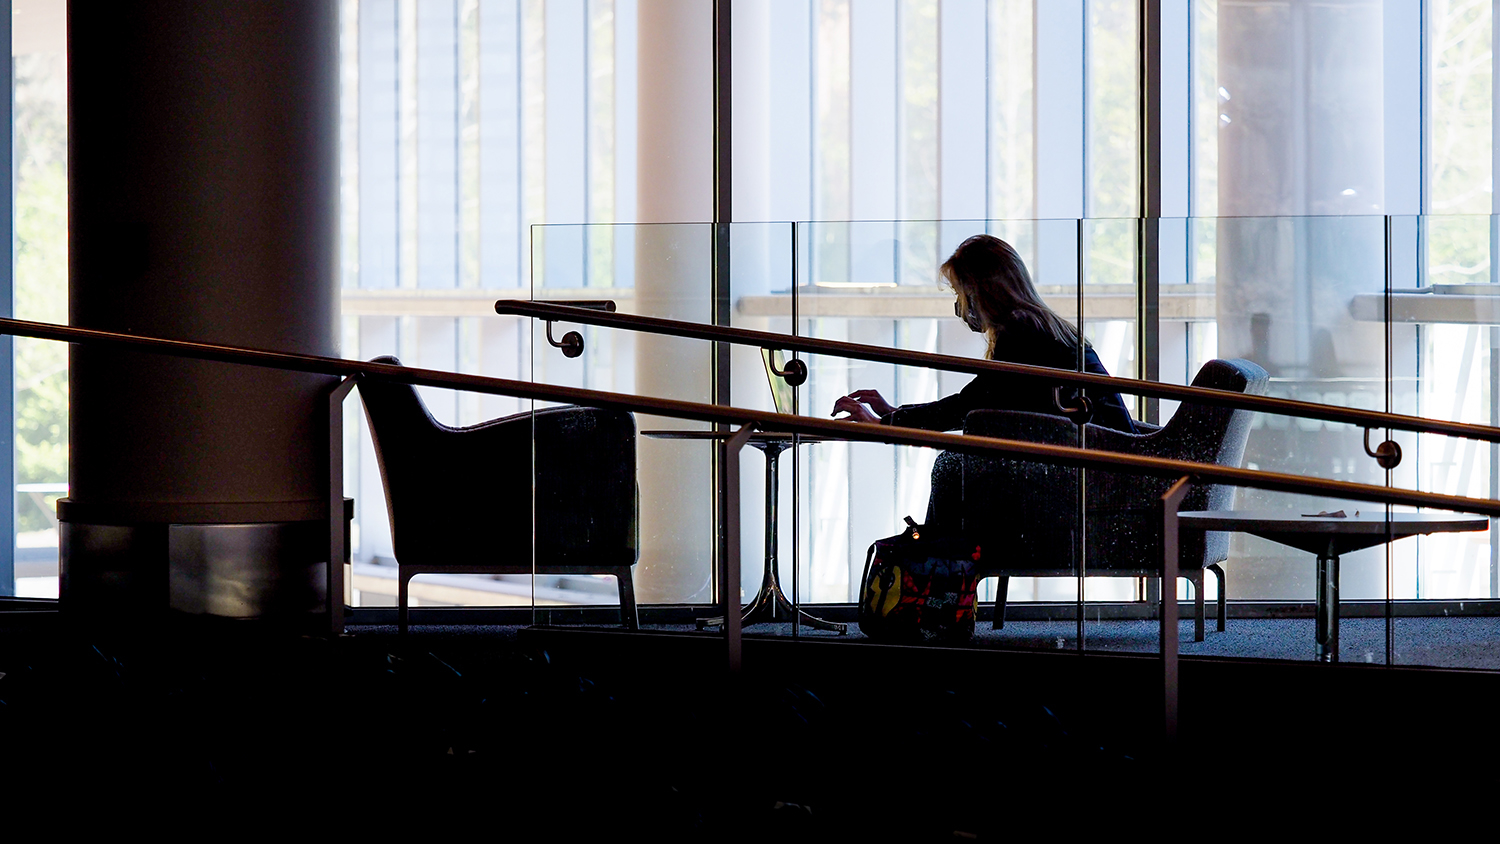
{"x":1196,"y":432}
{"x":1033,"y":507}
{"x":454,"y":492}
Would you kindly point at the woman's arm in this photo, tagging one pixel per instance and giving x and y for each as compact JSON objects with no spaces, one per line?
{"x":871,"y":407}
{"x":945,"y":414}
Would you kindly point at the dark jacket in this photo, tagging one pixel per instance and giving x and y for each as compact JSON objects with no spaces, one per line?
{"x":1022,"y":340}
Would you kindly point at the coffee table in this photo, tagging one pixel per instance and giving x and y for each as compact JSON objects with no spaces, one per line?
{"x":770,"y":603}
{"x":1329,"y":537}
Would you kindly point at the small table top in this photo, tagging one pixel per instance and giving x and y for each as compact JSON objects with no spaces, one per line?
{"x":756,"y":436}
{"x":1320,"y":534}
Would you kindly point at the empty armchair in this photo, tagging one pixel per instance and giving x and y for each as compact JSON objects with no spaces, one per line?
{"x":461,"y":499}
{"x":1026,"y":514}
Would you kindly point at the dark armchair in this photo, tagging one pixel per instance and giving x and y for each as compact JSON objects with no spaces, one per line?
{"x":461,"y":499}
{"x":1026,"y":514}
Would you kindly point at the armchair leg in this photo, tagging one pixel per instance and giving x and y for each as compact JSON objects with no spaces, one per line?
{"x":403,"y":586}
{"x":628,"y":615}
{"x":1219,"y":578}
{"x":1196,"y":578}
{"x":1002,"y":591}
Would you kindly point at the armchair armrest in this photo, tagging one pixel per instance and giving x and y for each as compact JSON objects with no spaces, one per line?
{"x":1021,"y":425}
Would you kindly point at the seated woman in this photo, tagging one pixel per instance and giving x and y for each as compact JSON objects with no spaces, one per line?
{"x":996,"y":298}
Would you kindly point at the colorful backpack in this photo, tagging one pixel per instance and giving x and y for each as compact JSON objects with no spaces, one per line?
{"x":919,"y":589}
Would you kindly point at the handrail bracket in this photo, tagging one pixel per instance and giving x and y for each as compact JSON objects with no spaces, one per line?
{"x":794,"y":373}
{"x":1388,"y":454}
{"x":1080,"y":414}
{"x":571,"y":344}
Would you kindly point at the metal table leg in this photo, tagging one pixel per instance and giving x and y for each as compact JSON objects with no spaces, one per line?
{"x":770,"y":603}
{"x":1327,"y":635}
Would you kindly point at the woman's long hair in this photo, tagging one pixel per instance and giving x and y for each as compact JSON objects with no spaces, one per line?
{"x":993,"y":285}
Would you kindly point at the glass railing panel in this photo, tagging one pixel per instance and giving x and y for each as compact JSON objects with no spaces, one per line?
{"x":1325,"y":341}
{"x":854,"y":272}
{"x":1411,"y":251}
{"x":1291,"y":295}
{"x":855,"y":493}
{"x":1118,"y":529}
{"x":763,"y":272}
{"x":1285,"y":292}
{"x":456,"y":329}
{"x":665,"y":271}
{"x":1187,"y":332}
{"x":871,"y":282}
{"x":1058,"y":254}
{"x":1445,"y":328}
{"x":1186,"y":337}
{"x":670,"y":277}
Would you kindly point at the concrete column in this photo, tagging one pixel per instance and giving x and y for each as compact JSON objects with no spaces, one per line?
{"x":203,"y":196}
{"x":672,"y":279}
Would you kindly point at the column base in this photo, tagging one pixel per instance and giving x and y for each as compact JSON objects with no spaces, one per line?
{"x":268,"y":570}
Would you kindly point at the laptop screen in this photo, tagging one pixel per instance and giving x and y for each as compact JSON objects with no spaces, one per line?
{"x":782,"y":393}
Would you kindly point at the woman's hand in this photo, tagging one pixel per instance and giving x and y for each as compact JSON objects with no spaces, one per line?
{"x":855,"y":403}
{"x":872,"y":398}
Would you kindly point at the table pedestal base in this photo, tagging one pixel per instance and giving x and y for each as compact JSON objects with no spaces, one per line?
{"x":771,"y":605}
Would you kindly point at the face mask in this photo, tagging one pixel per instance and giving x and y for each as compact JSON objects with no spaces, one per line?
{"x":970,"y":319}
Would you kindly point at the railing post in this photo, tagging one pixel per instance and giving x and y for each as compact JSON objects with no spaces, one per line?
{"x":336,"y":522}
{"x":1170,"y":501}
{"x":729,"y":574}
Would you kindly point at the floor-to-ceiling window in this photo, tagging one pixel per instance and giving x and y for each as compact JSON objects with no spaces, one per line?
{"x":900,"y":129}
{"x":39,"y":56}
{"x":466,"y":124}
{"x":490,"y":147}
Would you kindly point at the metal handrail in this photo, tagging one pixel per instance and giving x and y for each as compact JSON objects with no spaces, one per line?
{"x":748,"y":421}
{"x":904,"y":357}
{"x":763,"y":420}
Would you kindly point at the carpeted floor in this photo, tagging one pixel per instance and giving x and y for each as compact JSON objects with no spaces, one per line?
{"x":1436,"y":642}
{"x":473,"y":726}
{"x":491,"y":721}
